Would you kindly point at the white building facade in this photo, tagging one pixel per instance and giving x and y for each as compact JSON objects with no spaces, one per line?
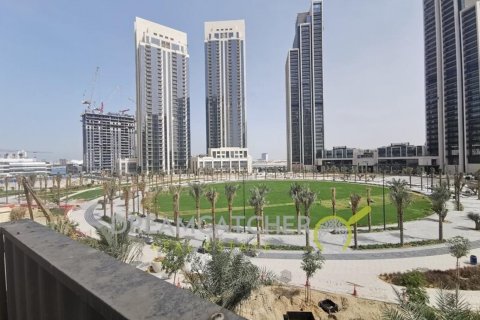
{"x":225,"y":84}
{"x":163,"y":101}
{"x":223,"y":160}
{"x":13,"y":164}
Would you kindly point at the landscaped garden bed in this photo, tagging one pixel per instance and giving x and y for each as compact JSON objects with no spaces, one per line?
{"x":469,"y":278}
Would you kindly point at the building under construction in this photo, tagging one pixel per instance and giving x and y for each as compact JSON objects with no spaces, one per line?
{"x":107,"y":138}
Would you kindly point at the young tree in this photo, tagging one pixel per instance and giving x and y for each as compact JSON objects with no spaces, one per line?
{"x":312,"y":261}
{"x":475,"y":217}
{"x":408,"y":171}
{"x":295,"y":190}
{"x":175,"y":191}
{"x":439,"y":197}
{"x":354,"y":202}
{"x":459,"y":247}
{"x":196,"y":191}
{"x":307,"y":198}
{"x":230,"y":193}
{"x":334,"y":201}
{"x":212,"y":196}
{"x":177,"y":254}
{"x":401,"y":198}
{"x":458,"y":183}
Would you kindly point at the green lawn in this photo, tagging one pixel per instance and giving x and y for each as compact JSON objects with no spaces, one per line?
{"x":280,"y":204}
{"x":88,"y":195}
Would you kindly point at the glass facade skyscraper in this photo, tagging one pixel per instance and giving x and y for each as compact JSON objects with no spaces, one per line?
{"x":452,"y":83}
{"x":304,"y":87}
{"x":163,"y":101}
{"x":225,"y":84}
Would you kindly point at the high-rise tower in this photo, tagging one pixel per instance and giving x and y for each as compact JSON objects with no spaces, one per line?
{"x":452,"y":83}
{"x":163,"y":101}
{"x":225,"y":84}
{"x":304,"y":87}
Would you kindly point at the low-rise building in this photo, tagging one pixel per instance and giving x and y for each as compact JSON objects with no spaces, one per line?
{"x":395,"y":156}
{"x":12,"y":164}
{"x":223,"y":160}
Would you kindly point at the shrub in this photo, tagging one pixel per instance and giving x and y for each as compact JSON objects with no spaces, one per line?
{"x":18,"y":213}
{"x":475,"y":217}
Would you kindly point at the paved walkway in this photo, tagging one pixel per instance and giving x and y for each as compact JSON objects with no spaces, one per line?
{"x":361,"y":267}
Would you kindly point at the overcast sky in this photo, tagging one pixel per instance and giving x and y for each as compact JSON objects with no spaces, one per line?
{"x":373,"y":68}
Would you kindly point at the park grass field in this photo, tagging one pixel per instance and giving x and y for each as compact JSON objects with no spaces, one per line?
{"x":280,"y":203}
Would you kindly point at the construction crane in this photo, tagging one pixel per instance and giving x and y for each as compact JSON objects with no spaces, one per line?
{"x":89,"y":102}
{"x":123,"y":111}
{"x":99,"y":109}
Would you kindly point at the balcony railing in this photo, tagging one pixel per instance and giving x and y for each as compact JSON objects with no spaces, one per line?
{"x":47,"y":276}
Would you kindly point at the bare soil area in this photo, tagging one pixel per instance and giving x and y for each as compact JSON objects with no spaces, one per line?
{"x":272,"y":302}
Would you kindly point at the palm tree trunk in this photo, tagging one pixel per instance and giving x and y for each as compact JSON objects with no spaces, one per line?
{"x":258,"y":232}
{"x":229,"y":217}
{"x":298,"y":218}
{"x":213,"y":223}
{"x":177,"y":227}
{"x":400,"y":219}
{"x":111,"y":209}
{"x":457,"y":287}
{"x":104,"y":205}
{"x":440,"y":227}
{"x":197,"y":208}
{"x":307,"y":232}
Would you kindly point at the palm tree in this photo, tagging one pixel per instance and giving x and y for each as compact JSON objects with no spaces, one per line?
{"x":354,"y":202}
{"x":230,"y":193}
{"x":307,"y":198}
{"x":401,"y":199}
{"x":409,"y":172}
{"x":459,"y":248}
{"x":58,"y":179}
{"x":458,"y":183}
{"x":369,"y":201}
{"x":264,"y":190}
{"x":105,"y":194}
{"x":175,"y":191}
{"x":117,"y":243}
{"x":6,"y":187}
{"x":45,"y":178}
{"x":212,"y":196}
{"x":334,"y":201}
{"x":477,"y":177}
{"x":439,"y":197}
{"x":111,"y":192}
{"x":295,"y":190}
{"x":126,"y":198}
{"x":141,"y":187}
{"x":196,"y":191}
{"x":257,"y":201}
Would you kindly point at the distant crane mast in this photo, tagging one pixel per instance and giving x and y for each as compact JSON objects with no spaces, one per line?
{"x":89,"y":102}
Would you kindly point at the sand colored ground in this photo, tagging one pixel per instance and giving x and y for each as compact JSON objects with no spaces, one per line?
{"x":274,"y":301}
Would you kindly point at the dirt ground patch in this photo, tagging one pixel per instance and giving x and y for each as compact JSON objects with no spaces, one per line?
{"x":272,"y":302}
